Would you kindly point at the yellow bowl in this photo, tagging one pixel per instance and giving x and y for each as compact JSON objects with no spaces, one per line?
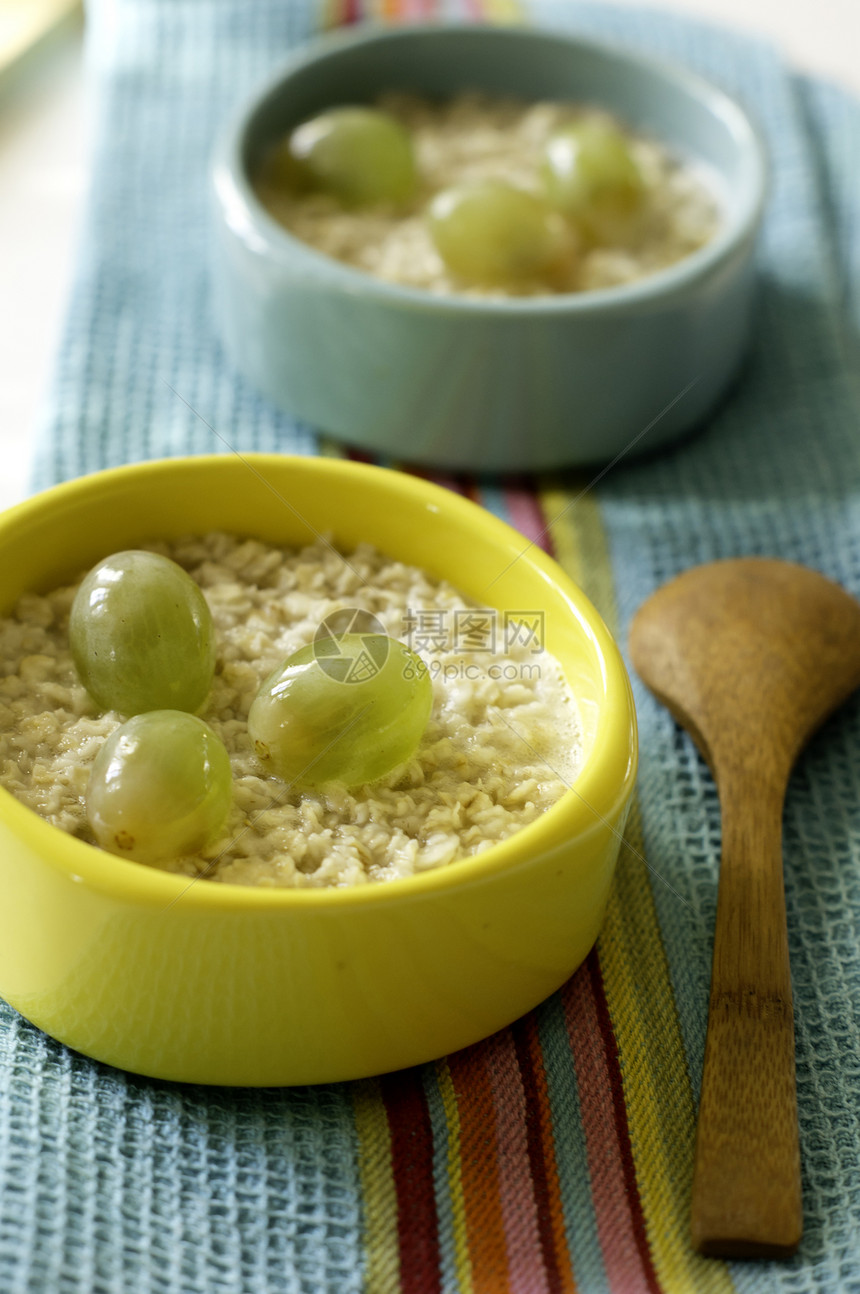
{"x":216,"y":983}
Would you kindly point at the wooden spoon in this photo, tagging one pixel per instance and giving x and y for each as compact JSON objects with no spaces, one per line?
{"x":750,"y":656}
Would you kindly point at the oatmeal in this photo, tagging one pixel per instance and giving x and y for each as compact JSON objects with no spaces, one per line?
{"x":501,"y":745}
{"x":474,"y":139}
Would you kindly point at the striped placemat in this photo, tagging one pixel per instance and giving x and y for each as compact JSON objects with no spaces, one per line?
{"x":555,"y":1155}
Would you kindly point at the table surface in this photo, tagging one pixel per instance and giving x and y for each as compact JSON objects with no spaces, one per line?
{"x":43,"y":176}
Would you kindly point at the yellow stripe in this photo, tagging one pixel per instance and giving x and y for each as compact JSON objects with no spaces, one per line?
{"x":503,"y":11}
{"x":327,"y":448}
{"x":579,"y":540}
{"x":462,"y":1262}
{"x":657,"y":1090}
{"x":659,"y":1099}
{"x":329,"y":14}
{"x":378,"y":1191}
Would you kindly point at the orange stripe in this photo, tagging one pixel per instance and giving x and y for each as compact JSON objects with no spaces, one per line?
{"x":480,"y":1172}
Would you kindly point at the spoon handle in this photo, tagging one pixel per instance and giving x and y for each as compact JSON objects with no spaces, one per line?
{"x":746,"y":1199}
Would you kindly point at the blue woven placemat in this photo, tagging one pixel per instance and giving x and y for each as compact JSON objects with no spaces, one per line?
{"x":114,"y":1183}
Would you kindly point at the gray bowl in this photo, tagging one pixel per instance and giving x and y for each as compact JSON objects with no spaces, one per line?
{"x":462,"y":382}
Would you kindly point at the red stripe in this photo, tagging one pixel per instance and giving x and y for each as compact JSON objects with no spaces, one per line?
{"x":516,"y":1194}
{"x":357,"y":455}
{"x":614,"y":1203}
{"x":540,"y":1183}
{"x":351,"y":11}
{"x":525,"y":513}
{"x":412,"y":1167}
{"x":622,"y":1130}
{"x":455,"y":484}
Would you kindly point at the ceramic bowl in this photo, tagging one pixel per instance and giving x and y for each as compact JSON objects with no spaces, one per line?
{"x":219,"y":983}
{"x":468,"y":383}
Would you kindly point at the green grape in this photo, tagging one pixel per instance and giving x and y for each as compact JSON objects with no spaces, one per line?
{"x":590,"y":174}
{"x":349,"y":717}
{"x":142,"y":636}
{"x":161,"y":786}
{"x":492,"y":233}
{"x":360,"y":156}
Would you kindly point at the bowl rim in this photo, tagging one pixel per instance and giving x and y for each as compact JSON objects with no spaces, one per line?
{"x":615,"y":745}
{"x":245,"y":215}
